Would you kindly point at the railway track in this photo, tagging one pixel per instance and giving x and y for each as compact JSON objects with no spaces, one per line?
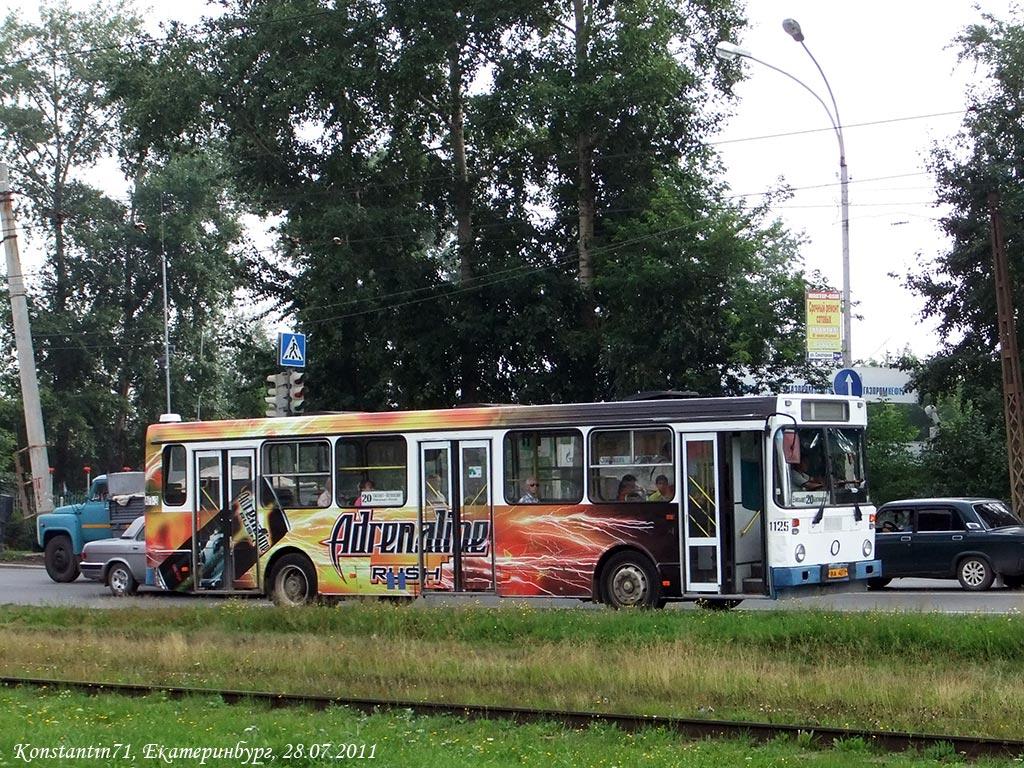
{"x":891,"y":741}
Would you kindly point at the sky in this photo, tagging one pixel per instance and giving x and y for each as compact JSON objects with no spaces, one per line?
{"x":893,"y":71}
{"x":899,"y":91}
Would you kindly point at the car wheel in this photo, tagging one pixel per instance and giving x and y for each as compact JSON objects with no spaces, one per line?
{"x":61,"y":565}
{"x":974,"y":574}
{"x":879,"y":583}
{"x":294,"y":581}
{"x":121,"y":581}
{"x":629,"y":582}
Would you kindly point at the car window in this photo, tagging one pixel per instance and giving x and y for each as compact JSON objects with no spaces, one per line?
{"x":138,"y":526}
{"x":939,"y":519}
{"x":995,"y":514}
{"x":892,"y":520}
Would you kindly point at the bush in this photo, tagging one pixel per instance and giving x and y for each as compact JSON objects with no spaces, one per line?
{"x":20,"y":533}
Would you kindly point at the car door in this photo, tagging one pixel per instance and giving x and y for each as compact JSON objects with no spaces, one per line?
{"x":136,"y":556}
{"x":893,"y":535}
{"x":937,"y":540}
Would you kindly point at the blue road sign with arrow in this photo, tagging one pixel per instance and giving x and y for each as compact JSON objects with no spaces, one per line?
{"x":291,"y":350}
{"x":848,"y":382}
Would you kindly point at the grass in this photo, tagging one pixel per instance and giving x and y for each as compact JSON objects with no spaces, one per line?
{"x":903,"y":672}
{"x":20,"y":556}
{"x":156,"y":730}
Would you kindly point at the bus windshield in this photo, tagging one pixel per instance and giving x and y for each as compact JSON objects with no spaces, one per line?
{"x":828,"y":467}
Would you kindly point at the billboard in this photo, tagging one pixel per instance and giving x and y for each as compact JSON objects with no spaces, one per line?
{"x":824,"y":325}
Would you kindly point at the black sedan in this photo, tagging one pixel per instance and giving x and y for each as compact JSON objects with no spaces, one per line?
{"x":970,"y":539}
{"x":119,"y":563}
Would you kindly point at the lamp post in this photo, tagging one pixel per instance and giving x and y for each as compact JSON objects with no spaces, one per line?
{"x":167,"y":339}
{"x":728,"y":51}
{"x":167,"y":336}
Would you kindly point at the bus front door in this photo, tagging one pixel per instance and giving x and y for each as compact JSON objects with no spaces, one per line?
{"x":701,"y":543}
{"x":225,"y":526}
{"x":456,"y":540}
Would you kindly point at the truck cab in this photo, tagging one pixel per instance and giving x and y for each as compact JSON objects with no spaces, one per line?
{"x":114,"y":501}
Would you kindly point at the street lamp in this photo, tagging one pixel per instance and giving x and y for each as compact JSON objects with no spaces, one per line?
{"x":728,"y":51}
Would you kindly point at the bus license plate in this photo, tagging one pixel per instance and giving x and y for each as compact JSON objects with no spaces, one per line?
{"x":839,"y":573}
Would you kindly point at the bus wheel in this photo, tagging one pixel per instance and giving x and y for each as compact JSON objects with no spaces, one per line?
{"x":60,"y":560}
{"x":294,"y":581}
{"x":629,"y":582}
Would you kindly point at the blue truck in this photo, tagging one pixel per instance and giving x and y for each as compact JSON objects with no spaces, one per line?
{"x":114,"y":501}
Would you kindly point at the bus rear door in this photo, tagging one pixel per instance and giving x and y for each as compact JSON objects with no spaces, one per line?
{"x":456,"y":539}
{"x":701,"y":540}
{"x":225,"y":526}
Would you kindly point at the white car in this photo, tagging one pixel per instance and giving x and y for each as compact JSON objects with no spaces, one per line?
{"x":120,"y":563}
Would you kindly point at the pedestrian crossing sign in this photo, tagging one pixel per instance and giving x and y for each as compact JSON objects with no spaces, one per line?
{"x":291,"y":350}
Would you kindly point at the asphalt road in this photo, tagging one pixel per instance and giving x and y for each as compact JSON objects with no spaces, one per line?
{"x":29,"y":585}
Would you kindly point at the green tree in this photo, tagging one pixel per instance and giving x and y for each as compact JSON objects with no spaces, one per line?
{"x":54,"y":126}
{"x":968,"y":455}
{"x":675,"y":286}
{"x":497,"y":204}
{"x":985,"y":157}
{"x":896,"y":470}
{"x":98,"y":312}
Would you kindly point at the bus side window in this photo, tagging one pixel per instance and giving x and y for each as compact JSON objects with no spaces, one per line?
{"x":174,"y":492}
{"x":553,"y":457}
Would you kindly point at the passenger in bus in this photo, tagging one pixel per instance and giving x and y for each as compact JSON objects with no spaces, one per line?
{"x":365,"y":486}
{"x":664,"y":490}
{"x":800,"y":477}
{"x":324,"y":499}
{"x":435,"y":496}
{"x":529,"y":496}
{"x":629,"y":490}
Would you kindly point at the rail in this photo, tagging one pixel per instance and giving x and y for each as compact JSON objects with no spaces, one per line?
{"x":822,"y":736}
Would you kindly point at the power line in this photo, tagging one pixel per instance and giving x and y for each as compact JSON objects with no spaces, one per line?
{"x":887,"y":121}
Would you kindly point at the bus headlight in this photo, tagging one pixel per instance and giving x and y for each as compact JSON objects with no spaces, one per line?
{"x":866,"y":547}
{"x":800,"y":553}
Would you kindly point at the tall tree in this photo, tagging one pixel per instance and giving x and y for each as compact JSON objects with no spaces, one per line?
{"x":54,"y":126}
{"x":426,"y":160}
{"x":98,"y":312}
{"x":53,"y":121}
{"x":986,"y":156}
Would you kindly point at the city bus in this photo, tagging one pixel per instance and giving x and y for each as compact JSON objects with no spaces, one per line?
{"x":631,"y":504}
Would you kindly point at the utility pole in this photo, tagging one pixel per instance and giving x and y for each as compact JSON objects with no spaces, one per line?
{"x":38,"y":459}
{"x":1013,"y":390}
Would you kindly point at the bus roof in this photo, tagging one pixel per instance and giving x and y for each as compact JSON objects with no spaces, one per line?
{"x":629,"y":412}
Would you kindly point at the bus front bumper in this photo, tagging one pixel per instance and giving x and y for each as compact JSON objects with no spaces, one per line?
{"x":830,"y":573}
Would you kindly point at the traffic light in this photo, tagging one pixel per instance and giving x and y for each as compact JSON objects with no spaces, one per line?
{"x":297,"y":391}
{"x":277,"y":395}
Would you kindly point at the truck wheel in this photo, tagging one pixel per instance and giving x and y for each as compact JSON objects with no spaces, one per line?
{"x":121,"y":581}
{"x":294,"y":581}
{"x":61,"y":564}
